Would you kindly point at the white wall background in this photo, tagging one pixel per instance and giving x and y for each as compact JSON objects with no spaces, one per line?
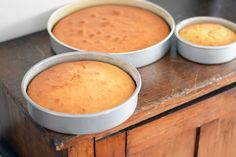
{"x":21,"y":17}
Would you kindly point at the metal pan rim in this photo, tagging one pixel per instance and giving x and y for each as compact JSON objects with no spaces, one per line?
{"x":193,"y":20}
{"x":25,"y":83}
{"x":171,"y":24}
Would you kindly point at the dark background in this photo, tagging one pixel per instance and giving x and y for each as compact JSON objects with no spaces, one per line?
{"x":181,"y":9}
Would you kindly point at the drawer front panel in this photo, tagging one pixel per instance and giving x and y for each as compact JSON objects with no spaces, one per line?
{"x":149,"y":137}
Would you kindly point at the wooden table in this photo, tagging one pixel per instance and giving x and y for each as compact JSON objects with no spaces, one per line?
{"x":185,"y":109}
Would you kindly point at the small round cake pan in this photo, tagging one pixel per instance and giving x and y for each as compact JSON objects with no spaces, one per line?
{"x":205,"y":54}
{"x":138,"y":58}
{"x":81,"y":123}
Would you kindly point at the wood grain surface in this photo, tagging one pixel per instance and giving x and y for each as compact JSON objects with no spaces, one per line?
{"x":176,"y":145}
{"x":82,"y":149}
{"x":113,"y":146}
{"x":168,"y":83}
{"x":141,"y":138}
{"x":25,"y":136}
{"x":218,"y":138}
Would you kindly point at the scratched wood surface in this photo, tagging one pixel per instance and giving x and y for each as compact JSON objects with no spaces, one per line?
{"x":168,"y":83}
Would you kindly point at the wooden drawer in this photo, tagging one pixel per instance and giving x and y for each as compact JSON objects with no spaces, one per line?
{"x":202,"y":129}
{"x":113,"y":146}
{"x":187,"y":132}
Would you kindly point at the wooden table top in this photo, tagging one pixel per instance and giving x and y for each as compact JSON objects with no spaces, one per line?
{"x":167,"y":83}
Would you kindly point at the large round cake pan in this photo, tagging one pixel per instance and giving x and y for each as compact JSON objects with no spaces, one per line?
{"x":138,"y":58}
{"x":205,"y":54}
{"x":81,"y":123}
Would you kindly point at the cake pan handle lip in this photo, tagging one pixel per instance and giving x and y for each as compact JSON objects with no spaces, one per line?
{"x":26,"y":81}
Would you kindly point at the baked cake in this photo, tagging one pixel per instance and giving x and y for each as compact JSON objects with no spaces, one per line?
{"x":111,"y":28}
{"x":208,"y":34}
{"x":81,"y":87}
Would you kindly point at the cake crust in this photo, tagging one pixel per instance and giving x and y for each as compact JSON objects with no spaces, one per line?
{"x":208,"y":34}
{"x":111,"y":28}
{"x":81,"y":87}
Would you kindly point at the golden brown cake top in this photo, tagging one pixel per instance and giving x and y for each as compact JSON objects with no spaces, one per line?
{"x":208,"y":34}
{"x":81,"y":87}
{"x":111,"y":28}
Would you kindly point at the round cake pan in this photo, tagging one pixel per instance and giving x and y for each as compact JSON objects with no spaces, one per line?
{"x":138,"y":58}
{"x":81,"y":123}
{"x":205,"y":54}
